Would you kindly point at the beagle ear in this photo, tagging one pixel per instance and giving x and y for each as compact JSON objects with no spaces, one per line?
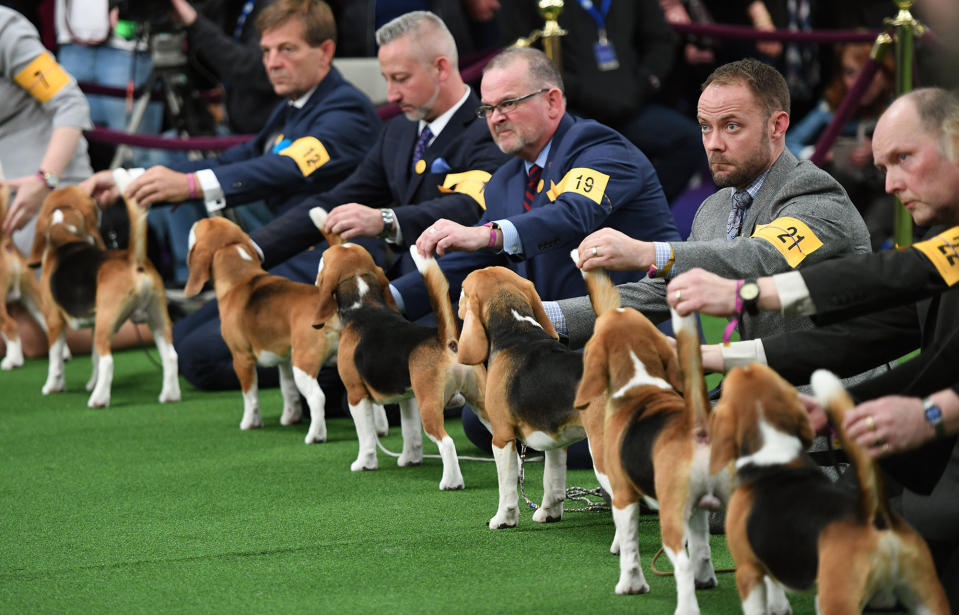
{"x":595,"y":378}
{"x":538,"y":312}
{"x":385,"y":289}
{"x":473,"y":346}
{"x":200,"y":262}
{"x":722,"y":436}
{"x":326,"y":280}
{"x":90,"y":219}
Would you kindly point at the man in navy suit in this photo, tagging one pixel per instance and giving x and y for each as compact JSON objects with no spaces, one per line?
{"x":398,"y":190}
{"x":567,"y":178}
{"x":430,"y":164}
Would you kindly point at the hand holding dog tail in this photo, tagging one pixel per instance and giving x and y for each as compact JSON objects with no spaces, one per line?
{"x":836,"y":401}
{"x":686,"y":330}
{"x":318,"y":216}
{"x":138,"y":218}
{"x":602,"y":292}
{"x":438,"y":289}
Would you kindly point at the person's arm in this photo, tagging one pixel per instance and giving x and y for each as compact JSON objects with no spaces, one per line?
{"x":32,"y":189}
{"x":896,"y":423}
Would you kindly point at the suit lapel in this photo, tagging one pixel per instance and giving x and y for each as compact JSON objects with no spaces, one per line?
{"x":774,"y":180}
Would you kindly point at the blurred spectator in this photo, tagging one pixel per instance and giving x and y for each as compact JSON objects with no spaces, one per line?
{"x":222,"y":35}
{"x":615,"y":56}
{"x":850,"y":158}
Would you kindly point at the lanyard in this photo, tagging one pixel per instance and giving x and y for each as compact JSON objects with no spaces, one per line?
{"x":241,"y":20}
{"x":599,"y":15}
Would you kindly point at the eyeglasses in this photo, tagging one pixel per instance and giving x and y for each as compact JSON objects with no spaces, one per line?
{"x":506,"y":106}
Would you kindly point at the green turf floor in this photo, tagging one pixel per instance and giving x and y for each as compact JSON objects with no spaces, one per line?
{"x":146,"y":508}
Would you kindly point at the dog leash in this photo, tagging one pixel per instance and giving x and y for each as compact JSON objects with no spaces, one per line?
{"x":579,"y":494}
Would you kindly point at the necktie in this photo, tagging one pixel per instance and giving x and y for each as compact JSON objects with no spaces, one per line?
{"x":734,"y":224}
{"x":531,"y":185}
{"x":421,"y":144}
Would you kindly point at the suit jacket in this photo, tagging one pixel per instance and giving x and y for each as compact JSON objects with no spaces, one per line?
{"x":593,"y":178}
{"x":316,"y":146}
{"x":927,"y":317}
{"x":384,"y":179}
{"x":793,"y":191}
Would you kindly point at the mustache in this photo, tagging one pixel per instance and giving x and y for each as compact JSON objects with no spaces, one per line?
{"x":718,"y":160}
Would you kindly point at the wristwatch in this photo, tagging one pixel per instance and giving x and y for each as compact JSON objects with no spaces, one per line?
{"x":389,"y":224}
{"x":934,"y":415}
{"x":749,"y":295}
{"x":50,"y":180}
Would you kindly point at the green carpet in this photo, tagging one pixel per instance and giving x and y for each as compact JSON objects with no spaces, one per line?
{"x":145,"y":508}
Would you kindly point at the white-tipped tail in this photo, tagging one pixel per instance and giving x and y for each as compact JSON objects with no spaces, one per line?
{"x":421,"y":262}
{"x":684,"y":323}
{"x":318,"y":216}
{"x":826,"y":386}
{"x":574,"y":254}
{"x":122,"y":179}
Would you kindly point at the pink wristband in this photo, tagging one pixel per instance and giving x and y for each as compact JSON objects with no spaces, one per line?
{"x":492,"y":235}
{"x":191,"y":186}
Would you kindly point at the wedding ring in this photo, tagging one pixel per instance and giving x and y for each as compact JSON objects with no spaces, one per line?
{"x":595,"y":251}
{"x":432,"y":229}
{"x":870,"y":423}
{"x":679,"y":295}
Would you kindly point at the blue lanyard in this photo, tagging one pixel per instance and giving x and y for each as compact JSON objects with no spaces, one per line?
{"x":241,"y":20}
{"x":599,"y":16}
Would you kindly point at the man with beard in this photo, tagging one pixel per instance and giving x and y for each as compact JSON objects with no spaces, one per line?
{"x":429,"y":164}
{"x":568,"y":177}
{"x":773,"y":212}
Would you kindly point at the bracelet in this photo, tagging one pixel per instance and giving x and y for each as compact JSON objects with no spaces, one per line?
{"x":734,"y":321}
{"x":191,"y":186}
{"x":492,"y":234}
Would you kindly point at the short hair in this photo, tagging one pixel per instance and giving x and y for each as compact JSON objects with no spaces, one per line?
{"x":938,"y":111}
{"x":427,"y":30}
{"x":540,"y":69}
{"x":318,"y":22}
{"x":766,"y":83}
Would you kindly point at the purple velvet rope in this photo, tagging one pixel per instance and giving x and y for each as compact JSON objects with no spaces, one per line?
{"x":749,"y":32}
{"x":846,"y":108}
{"x":107,"y":135}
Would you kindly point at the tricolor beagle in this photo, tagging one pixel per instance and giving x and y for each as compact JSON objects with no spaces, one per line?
{"x":649,"y":439}
{"x":788,"y":522}
{"x":84,"y":284}
{"x":383,"y":358}
{"x":264,"y":319}
{"x":17,"y":284}
{"x":530,"y":387}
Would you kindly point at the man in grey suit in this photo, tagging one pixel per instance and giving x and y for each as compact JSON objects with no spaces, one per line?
{"x":773,"y":212}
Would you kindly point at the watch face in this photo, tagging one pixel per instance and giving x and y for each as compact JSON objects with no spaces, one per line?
{"x":749,"y":291}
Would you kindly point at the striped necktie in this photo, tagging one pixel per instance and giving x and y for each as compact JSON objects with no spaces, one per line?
{"x":534,"y":174}
{"x":421,"y":144}
{"x":734,"y":223}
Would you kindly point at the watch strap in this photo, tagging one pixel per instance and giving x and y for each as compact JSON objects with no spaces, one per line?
{"x":933,"y":414}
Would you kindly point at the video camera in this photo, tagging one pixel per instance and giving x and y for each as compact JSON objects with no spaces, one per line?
{"x":157,"y":14}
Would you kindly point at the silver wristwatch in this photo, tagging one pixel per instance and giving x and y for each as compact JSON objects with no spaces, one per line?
{"x":389,"y":224}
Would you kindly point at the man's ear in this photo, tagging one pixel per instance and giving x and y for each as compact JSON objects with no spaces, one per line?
{"x":778,"y":124}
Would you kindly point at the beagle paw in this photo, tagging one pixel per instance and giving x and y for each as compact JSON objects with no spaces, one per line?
{"x":10,"y":362}
{"x":168,"y":395}
{"x":98,"y":400}
{"x":317,"y":433}
{"x":254,"y":421}
{"x":632,"y":584}
{"x":412,"y":457}
{"x":706,"y":583}
{"x":365,"y":462}
{"x":54,"y":385}
{"x":548,"y":515}
{"x":504,"y":519}
{"x":291,"y":415}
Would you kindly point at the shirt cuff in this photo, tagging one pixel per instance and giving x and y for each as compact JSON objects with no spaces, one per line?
{"x":213,"y":196}
{"x":793,"y":294}
{"x":397,"y":237}
{"x":664,"y":259}
{"x":555,"y":315}
{"x":512,"y":244}
{"x":740,"y":354}
{"x":398,"y":298}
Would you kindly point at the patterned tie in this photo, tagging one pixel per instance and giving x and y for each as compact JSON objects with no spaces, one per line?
{"x":531,"y":185}
{"x":420,"y":148}
{"x":734,"y":224}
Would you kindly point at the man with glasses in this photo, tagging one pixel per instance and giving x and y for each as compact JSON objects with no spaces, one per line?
{"x":568,"y":177}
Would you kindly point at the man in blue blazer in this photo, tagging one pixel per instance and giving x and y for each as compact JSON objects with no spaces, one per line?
{"x":404,"y":185}
{"x":568,"y":177}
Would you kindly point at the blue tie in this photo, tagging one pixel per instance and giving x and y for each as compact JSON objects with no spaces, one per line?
{"x":421,"y":145}
{"x":734,"y":223}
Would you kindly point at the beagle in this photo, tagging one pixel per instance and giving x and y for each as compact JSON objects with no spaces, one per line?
{"x":84,"y":284}
{"x":646,"y":414}
{"x":788,"y":522}
{"x":264,"y":319}
{"x":383,"y":358}
{"x":17,"y":284}
{"x":531,"y":384}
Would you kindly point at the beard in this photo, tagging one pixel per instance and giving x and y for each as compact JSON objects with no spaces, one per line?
{"x":415,"y":114}
{"x":743,"y":172}
{"x":513,"y":143}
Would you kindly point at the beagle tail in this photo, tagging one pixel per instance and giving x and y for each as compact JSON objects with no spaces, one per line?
{"x":602,"y":292}
{"x":318,"y":216}
{"x":438,"y":289}
{"x":686,"y":330}
{"x":872,"y":493}
{"x":138,"y":218}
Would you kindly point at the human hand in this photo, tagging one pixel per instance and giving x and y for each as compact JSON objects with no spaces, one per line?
{"x":102,"y":187}
{"x":159,"y":184}
{"x":184,"y":11}
{"x":616,"y":251}
{"x":354,"y":220}
{"x":769,"y":48}
{"x":448,"y":236}
{"x":481,"y":10}
{"x":889,"y":424}
{"x":698,"y":290}
{"x":861,"y":155}
{"x":698,"y":55}
{"x":712,"y":358}
{"x":817,"y":414}
{"x":31,"y":190}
